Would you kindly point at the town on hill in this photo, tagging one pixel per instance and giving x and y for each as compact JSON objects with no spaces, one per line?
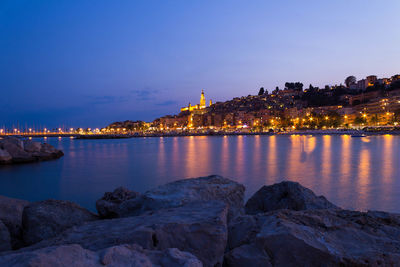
{"x":371,"y":101}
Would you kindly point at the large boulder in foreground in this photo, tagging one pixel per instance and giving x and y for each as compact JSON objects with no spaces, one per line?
{"x":11,"y":215}
{"x":5,"y":240}
{"x":285,"y":195}
{"x":184,"y":191}
{"x":199,"y":228}
{"x":109,"y":205}
{"x":326,"y":237}
{"x":76,"y":256}
{"x":16,"y":150}
{"x":46,"y":219}
{"x":134,"y":255}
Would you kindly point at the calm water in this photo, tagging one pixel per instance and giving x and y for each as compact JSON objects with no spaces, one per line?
{"x":356,"y":173}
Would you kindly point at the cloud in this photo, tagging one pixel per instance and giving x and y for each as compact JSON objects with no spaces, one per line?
{"x":144,"y":94}
{"x":167,"y":103}
{"x":107,"y":99}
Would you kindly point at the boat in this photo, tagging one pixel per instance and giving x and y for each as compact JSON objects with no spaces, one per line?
{"x":358,"y":135}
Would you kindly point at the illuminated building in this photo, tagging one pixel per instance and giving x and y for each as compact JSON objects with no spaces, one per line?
{"x":371,"y":80}
{"x":202,"y":104}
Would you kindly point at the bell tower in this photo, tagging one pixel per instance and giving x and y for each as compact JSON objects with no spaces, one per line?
{"x":202,"y":100}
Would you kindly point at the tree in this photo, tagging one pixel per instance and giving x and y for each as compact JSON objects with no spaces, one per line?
{"x":350,"y":80}
{"x":395,"y":85}
{"x":375,"y":119}
{"x":262,"y":91}
{"x":298,"y":86}
{"x":359,"y":120}
{"x":397,"y":114}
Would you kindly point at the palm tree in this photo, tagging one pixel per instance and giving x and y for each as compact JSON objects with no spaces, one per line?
{"x":375,"y":119}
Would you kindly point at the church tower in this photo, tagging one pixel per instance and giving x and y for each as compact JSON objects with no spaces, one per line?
{"x":202,"y":100}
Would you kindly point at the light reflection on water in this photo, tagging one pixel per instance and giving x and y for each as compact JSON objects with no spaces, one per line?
{"x":356,"y":173}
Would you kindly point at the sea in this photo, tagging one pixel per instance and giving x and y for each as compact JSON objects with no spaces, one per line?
{"x":353,"y":173}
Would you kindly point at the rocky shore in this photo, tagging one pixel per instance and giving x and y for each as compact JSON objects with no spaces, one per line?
{"x":15,"y":150}
{"x":198,"y":222}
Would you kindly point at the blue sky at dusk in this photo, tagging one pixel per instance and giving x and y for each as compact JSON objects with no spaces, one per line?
{"x":89,"y":63}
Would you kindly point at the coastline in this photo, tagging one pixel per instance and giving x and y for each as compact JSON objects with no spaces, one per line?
{"x":187,"y":134}
{"x":308,"y":132}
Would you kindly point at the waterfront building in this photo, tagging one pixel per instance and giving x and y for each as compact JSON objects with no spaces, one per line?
{"x":382,"y":109}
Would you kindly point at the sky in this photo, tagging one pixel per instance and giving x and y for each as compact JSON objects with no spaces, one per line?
{"x":83,"y":63}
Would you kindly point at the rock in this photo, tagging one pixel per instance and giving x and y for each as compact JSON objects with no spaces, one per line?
{"x":48,"y":152}
{"x":325,"y":237}
{"x":12,"y":140}
{"x":31,"y":146}
{"x":5,"y":157}
{"x":247,"y":255}
{"x":124,"y":255}
{"x":47,"y":148}
{"x":134,"y":255}
{"x":5,"y":240}
{"x":15,"y":150}
{"x":46,"y":219}
{"x":72,"y":256}
{"x":11,"y":215}
{"x":285,"y":195}
{"x":109,"y":205}
{"x":184,"y":191}
{"x":175,"y":257}
{"x":17,"y":153}
{"x":198,"y":227}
